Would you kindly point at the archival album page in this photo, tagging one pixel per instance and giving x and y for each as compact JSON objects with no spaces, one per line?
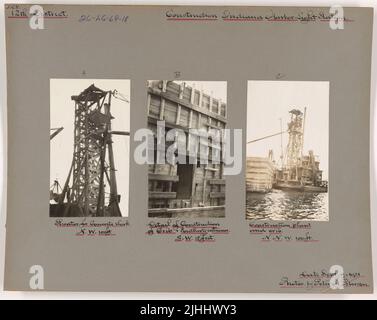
{"x":188,"y":149}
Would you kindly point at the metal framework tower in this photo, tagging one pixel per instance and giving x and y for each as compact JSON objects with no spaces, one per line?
{"x":93,"y":160}
{"x":295,"y":140}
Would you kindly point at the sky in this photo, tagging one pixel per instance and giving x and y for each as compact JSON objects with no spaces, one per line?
{"x":268,"y":101}
{"x":62,"y":115}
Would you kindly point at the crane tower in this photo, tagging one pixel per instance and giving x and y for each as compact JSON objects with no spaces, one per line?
{"x":93,"y":169}
{"x":295,"y":139}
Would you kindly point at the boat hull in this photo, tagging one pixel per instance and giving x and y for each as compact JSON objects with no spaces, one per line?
{"x":288,"y":187}
{"x":315,"y":189}
{"x":292,"y":187}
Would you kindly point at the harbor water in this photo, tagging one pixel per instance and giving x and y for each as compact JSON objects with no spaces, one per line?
{"x":287,"y":205}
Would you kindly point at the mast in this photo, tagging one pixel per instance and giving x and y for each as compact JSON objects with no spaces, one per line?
{"x":295,"y":143}
{"x":303,"y":134}
{"x":281,"y":143}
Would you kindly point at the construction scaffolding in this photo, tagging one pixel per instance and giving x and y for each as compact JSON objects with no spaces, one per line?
{"x":93,"y":168}
{"x":295,"y":140}
{"x":194,"y":188}
{"x":298,"y":172}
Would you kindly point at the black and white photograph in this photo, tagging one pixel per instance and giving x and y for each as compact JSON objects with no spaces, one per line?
{"x":287,"y":150}
{"x":89,"y":147}
{"x":194,"y":186}
{"x":195,"y":151}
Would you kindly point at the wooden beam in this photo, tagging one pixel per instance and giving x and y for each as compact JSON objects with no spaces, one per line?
{"x":174,"y":98}
{"x":154,"y":119}
{"x":162,"y":177}
{"x":217,"y":181}
{"x":213,"y":195}
{"x":181,"y":210}
{"x":162,"y":195}
{"x":120,"y":133}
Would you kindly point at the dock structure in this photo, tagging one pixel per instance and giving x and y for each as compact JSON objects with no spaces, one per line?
{"x":259,"y":174}
{"x":194,"y":186}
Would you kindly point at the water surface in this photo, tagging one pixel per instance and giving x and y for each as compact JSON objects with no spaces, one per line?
{"x":287,"y":205}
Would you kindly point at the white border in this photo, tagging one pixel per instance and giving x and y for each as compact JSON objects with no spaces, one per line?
{"x":171,"y":296}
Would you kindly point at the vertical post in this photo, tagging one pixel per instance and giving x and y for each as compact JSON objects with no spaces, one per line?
{"x":181,"y":90}
{"x":210,"y":101}
{"x":86,"y":179}
{"x":192,"y":94}
{"x":281,"y":143}
{"x":219,"y":108}
{"x":162,"y":109}
{"x":114,"y":203}
{"x":170,"y":183}
{"x":303,"y":132}
{"x":190,"y":119}
{"x":105,"y":137}
{"x":204,"y":183}
{"x":178,"y":114}
{"x":188,"y":134}
{"x":148,"y":103}
{"x":193,"y":185}
{"x":65,"y":188}
{"x":113,"y":185}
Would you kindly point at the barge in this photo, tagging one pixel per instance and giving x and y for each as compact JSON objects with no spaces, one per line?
{"x":298,"y":172}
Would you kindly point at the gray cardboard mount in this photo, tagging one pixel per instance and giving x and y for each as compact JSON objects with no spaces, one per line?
{"x":150,"y":46}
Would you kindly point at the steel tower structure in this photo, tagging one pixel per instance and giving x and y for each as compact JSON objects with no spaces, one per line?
{"x":295,"y":139}
{"x":93,"y":159}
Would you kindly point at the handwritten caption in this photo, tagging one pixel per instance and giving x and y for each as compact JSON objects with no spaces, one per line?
{"x":185,"y":231}
{"x":21,"y":12}
{"x":115,"y":18}
{"x":282,"y":232}
{"x":321,"y":280}
{"x":271,"y":16}
{"x":91,"y":227}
